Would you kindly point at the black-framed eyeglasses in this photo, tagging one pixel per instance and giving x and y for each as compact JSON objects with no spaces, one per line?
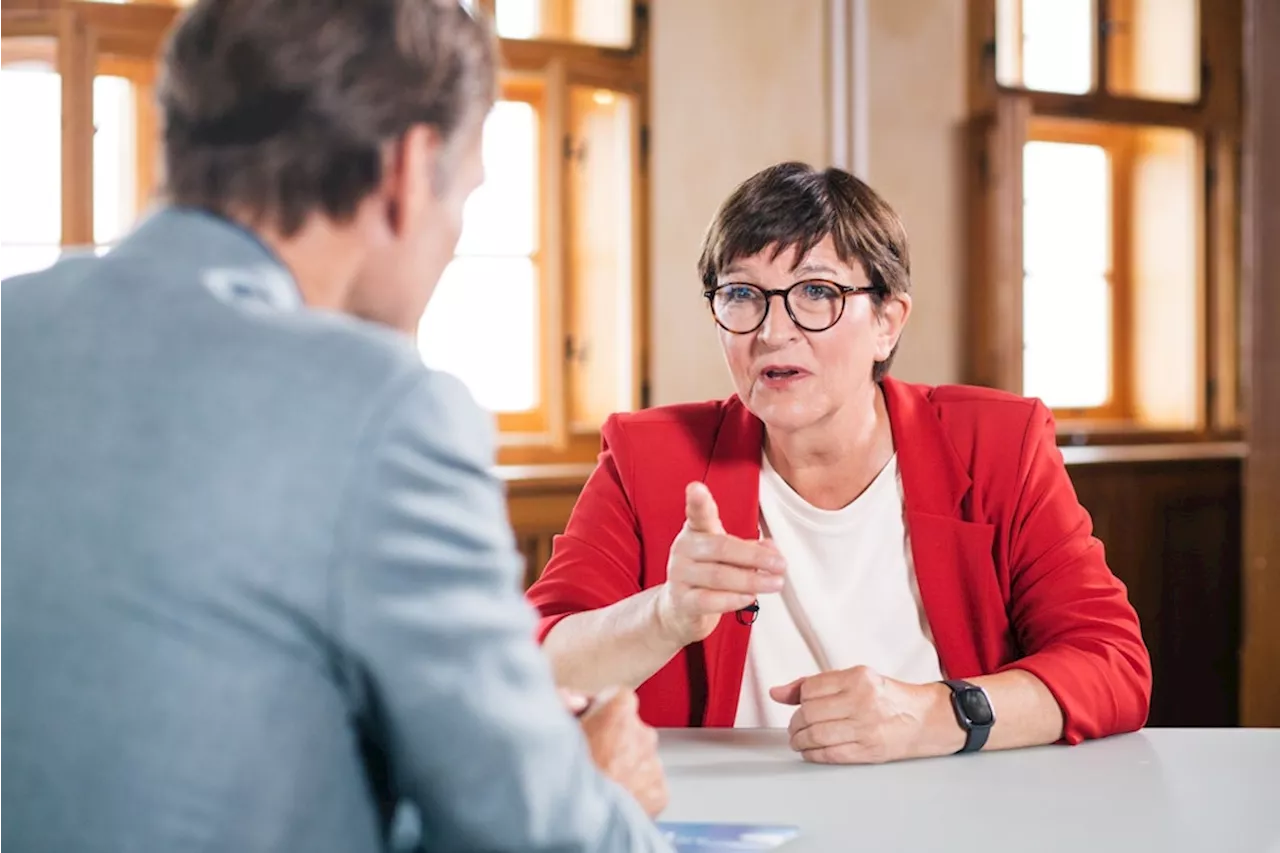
{"x":814,"y":306}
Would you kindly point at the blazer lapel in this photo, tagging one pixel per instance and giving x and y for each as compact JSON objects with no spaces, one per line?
{"x":733,"y":476}
{"x":952,"y":556}
{"x":228,"y":259}
{"x":934,"y":479}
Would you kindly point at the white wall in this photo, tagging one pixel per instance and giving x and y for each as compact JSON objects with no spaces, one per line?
{"x":737,"y":85}
{"x":916,"y":115}
{"x":740,"y":84}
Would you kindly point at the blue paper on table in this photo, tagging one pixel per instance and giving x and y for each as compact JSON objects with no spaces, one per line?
{"x":726,"y":837}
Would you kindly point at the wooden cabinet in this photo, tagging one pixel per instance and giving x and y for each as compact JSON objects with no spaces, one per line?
{"x":539,"y":500}
{"x":1172,"y":529}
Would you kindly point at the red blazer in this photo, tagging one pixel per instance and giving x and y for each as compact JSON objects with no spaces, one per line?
{"x":1009,"y":572}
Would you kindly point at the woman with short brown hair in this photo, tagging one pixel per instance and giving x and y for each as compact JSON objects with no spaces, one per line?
{"x":890,"y":570}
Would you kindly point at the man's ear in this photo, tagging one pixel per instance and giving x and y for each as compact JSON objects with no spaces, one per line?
{"x":410,"y":173}
{"x":892,"y":319}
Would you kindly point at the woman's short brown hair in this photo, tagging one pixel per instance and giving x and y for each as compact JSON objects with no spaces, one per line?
{"x":279,"y":108}
{"x":792,"y":206}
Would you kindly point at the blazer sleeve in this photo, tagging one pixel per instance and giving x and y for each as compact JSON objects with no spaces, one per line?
{"x":1072,"y":616}
{"x":597,"y":560}
{"x":455,"y":701}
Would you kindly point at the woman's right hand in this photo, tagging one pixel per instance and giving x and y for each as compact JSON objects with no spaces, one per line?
{"x":710,"y":573}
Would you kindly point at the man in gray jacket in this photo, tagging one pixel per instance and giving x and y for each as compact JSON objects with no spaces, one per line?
{"x":259,"y":587}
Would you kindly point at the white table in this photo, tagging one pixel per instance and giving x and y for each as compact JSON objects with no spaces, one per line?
{"x":1202,"y":790}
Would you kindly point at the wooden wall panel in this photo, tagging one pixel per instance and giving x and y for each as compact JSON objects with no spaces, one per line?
{"x":539,"y":501}
{"x":1172,"y":532}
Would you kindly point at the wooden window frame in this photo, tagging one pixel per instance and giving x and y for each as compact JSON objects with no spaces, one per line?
{"x":1004,"y":117}
{"x":84,"y":39}
{"x":531,"y":90}
{"x":560,"y":65}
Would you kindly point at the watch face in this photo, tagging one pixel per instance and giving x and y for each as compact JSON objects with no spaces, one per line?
{"x":974,"y":705}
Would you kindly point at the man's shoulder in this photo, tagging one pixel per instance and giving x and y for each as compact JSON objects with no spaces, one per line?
{"x":354,"y":369}
{"x":344,"y":351}
{"x":382,"y":378}
{"x":218,"y":334}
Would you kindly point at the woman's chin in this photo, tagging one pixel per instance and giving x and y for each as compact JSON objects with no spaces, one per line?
{"x":785,"y":415}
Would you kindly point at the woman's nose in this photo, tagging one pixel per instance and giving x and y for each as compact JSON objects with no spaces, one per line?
{"x":778,"y":325}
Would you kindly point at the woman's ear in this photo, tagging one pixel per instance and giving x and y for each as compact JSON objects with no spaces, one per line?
{"x":892,"y":318}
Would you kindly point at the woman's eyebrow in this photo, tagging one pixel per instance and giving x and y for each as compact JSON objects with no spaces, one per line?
{"x":811,"y":269}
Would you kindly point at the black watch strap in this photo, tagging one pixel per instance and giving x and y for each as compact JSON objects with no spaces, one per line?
{"x":973,"y":712}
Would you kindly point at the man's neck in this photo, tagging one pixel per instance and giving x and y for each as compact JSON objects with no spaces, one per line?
{"x":323,"y":259}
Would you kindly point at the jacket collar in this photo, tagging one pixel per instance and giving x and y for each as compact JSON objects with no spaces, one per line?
{"x":733,"y":473}
{"x":229,"y":259}
{"x":934,"y":480}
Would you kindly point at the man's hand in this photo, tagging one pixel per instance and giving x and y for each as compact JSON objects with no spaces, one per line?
{"x":710,"y":573}
{"x":574,"y":702}
{"x":857,"y":716}
{"x":625,"y":749}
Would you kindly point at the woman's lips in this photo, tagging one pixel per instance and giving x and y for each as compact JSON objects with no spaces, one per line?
{"x":781,"y":376}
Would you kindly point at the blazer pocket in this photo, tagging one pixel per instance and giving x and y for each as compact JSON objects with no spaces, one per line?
{"x":961,"y":592}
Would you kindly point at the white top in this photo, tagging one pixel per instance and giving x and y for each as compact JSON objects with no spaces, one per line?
{"x":851,"y":596}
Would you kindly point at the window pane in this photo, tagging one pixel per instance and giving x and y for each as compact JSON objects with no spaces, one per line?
{"x":114,"y":158}
{"x":501,"y":216}
{"x":1066,"y":218}
{"x":1057,"y":45}
{"x":481,"y":326}
{"x":31,"y":157}
{"x":1166,"y":294}
{"x":519,"y":19}
{"x":1009,"y":42}
{"x":1067,"y":259}
{"x":30,"y":160}
{"x":483,"y":321}
{"x":1066,"y":327}
{"x":601,"y":22}
{"x":1153,"y":49}
{"x":601,"y":258}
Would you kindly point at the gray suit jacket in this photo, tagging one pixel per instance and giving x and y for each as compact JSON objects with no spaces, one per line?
{"x":259,"y":587}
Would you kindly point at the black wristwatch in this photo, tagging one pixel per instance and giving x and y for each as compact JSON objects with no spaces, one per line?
{"x":973,"y":712}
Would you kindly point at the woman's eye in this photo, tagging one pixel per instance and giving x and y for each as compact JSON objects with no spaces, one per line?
{"x":740,"y":293}
{"x":819,"y":292}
